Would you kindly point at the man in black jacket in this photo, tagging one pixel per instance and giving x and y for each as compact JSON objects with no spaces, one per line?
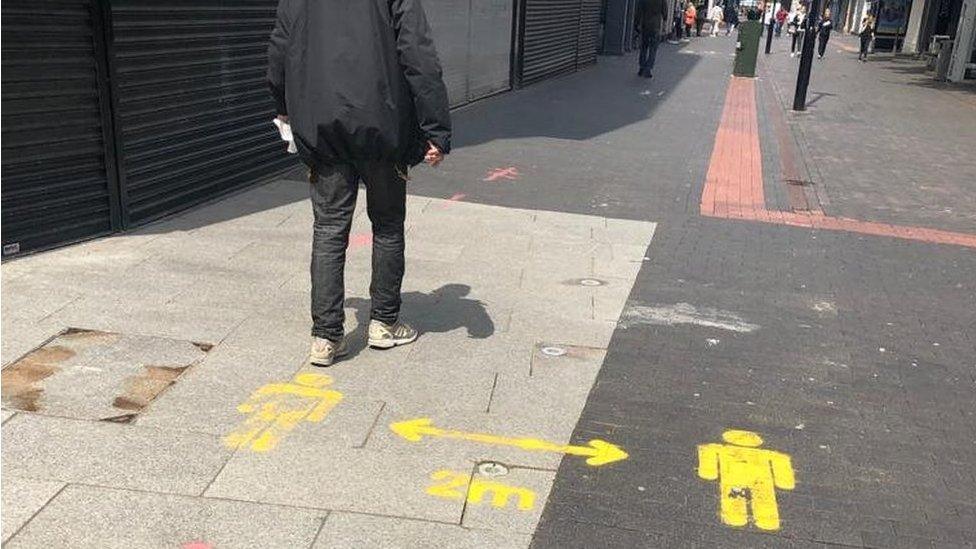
{"x":361,"y":86}
{"x":651,"y":15}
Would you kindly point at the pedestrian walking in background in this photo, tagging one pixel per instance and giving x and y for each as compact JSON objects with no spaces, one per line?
{"x":867,"y":34}
{"x":690,"y":15}
{"x":781,"y":15}
{"x":701,"y":13}
{"x":677,"y":22}
{"x":823,"y":33}
{"x":731,"y":17}
{"x":651,"y":15}
{"x":715,"y":16}
{"x":379,"y":52}
{"x":798,"y":27}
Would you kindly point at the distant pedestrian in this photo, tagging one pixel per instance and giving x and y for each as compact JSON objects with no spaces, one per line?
{"x":731,"y":17}
{"x":677,"y":22}
{"x":781,"y":15}
{"x":715,"y":16}
{"x":701,"y":13}
{"x":867,"y":34}
{"x":362,"y":88}
{"x":690,"y":15}
{"x":651,"y":15}
{"x":797,"y":28}
{"x":823,"y":33}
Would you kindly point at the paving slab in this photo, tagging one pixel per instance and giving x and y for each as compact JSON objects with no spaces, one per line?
{"x":88,"y":452}
{"x":364,"y":531}
{"x":22,"y":498}
{"x":201,"y":324}
{"x":511,"y":502}
{"x":322,"y":474}
{"x":87,"y":516}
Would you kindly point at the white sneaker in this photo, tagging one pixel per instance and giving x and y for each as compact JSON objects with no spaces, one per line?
{"x":325,"y":352}
{"x":387,"y":336}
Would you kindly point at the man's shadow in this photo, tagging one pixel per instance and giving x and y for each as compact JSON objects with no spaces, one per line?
{"x":442,"y":310}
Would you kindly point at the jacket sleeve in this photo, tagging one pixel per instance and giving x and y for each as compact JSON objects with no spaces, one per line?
{"x":420,"y":65}
{"x":277,"y":57}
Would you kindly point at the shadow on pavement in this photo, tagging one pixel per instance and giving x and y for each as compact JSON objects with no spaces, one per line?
{"x":443,"y":310}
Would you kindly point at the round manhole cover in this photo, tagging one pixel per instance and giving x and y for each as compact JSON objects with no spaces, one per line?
{"x":553,"y":351}
{"x":492,"y":469}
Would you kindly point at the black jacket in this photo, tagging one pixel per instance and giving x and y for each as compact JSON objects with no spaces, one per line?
{"x":359,"y":80}
{"x":651,"y":15}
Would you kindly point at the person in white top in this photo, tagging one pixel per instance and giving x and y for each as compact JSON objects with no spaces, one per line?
{"x":715,"y":16}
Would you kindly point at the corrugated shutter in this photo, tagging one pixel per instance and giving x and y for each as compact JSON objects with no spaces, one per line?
{"x":55,"y":184}
{"x":551,"y":33}
{"x":193,"y":110}
{"x":589,"y":32}
{"x":558,"y":36}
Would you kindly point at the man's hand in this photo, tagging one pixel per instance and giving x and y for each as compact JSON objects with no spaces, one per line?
{"x":283,"y":117}
{"x":434,"y":155}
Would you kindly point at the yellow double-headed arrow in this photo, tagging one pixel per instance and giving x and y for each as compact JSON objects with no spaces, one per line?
{"x":597,"y":452}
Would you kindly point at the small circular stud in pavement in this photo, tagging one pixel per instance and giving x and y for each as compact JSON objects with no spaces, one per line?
{"x":553,"y":351}
{"x":492,"y":469}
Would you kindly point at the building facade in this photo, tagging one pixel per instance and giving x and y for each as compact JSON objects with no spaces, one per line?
{"x":120,"y":112}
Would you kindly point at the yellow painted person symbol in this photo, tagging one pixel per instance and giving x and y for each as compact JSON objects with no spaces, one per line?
{"x":277,"y":408}
{"x":748,"y":477}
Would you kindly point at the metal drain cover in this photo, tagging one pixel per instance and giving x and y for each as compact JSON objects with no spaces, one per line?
{"x":492,"y":469}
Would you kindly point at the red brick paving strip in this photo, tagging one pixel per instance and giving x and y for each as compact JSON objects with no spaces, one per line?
{"x":734,"y":183}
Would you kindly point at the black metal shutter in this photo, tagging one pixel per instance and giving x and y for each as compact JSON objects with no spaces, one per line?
{"x":558,"y":36}
{"x":589,"y":32}
{"x":551,"y":32}
{"x":193,"y":111}
{"x":56,"y":187}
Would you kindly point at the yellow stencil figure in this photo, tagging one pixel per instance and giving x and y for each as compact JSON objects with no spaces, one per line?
{"x":277,"y":408}
{"x":748,"y":476}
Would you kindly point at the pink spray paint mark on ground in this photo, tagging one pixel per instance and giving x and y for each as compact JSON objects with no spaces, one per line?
{"x":197,"y":545}
{"x":456,"y":197}
{"x":359,"y":240}
{"x":510,"y":173}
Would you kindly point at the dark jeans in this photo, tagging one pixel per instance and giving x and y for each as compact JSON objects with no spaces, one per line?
{"x":333,"y":202}
{"x":822,"y":45}
{"x":797,"y":40}
{"x":648,"y":51}
{"x":865,"y":45}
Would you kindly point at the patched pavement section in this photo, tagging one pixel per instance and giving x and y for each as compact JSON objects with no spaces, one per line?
{"x":180,"y":410}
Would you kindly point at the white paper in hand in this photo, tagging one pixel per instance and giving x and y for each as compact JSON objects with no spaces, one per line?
{"x":284,"y":130}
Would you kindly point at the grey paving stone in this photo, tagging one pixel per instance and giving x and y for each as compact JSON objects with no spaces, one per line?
{"x":367,"y":532}
{"x":5,"y":415}
{"x":84,"y":516}
{"x":202,"y":324}
{"x":19,"y":338}
{"x":109,"y":454}
{"x":323,"y":474}
{"x":442,"y":385}
{"x":498,"y":512}
{"x":205,"y":399}
{"x":22,"y":497}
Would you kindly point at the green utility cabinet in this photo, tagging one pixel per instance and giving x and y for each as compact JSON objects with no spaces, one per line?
{"x":747,"y":48}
